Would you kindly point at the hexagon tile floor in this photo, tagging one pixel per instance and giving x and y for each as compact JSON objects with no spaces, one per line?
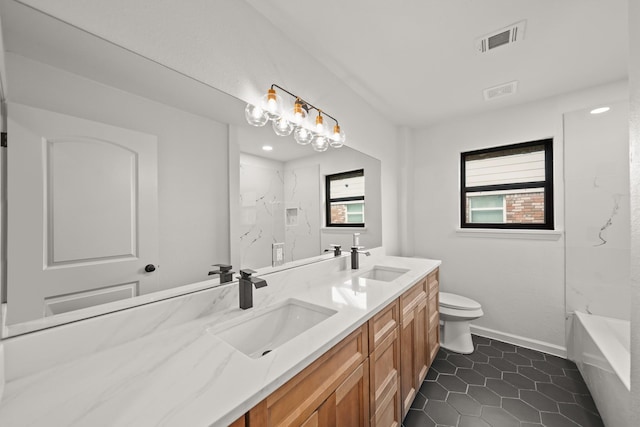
{"x":502,"y":385}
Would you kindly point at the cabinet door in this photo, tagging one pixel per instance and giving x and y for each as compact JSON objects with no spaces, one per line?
{"x":240,"y":422}
{"x":384,"y":382}
{"x":407,"y":357}
{"x":422,"y":351}
{"x":352,"y":399}
{"x":434,"y":315}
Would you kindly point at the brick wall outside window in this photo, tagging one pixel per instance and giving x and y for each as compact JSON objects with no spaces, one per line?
{"x":525,"y":208}
{"x":338,"y":214}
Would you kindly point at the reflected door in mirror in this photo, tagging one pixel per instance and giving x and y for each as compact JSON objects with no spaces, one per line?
{"x":82,"y":213}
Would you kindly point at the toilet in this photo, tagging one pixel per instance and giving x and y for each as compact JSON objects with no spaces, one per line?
{"x":455,"y":313}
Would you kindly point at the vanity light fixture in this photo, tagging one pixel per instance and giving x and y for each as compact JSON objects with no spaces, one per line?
{"x":295,"y":120}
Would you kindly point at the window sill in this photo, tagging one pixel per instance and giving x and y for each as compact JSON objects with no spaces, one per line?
{"x":345,"y":230}
{"x":510,"y":234}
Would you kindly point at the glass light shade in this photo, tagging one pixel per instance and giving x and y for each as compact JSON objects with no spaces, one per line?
{"x":272,"y":105}
{"x":337,"y":137}
{"x":255,"y":115}
{"x":319,"y":128}
{"x":282,"y":127}
{"x":302,"y":135}
{"x":320,"y":143}
{"x":298,"y":115}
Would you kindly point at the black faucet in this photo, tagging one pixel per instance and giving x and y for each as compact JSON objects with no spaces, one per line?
{"x":337,"y":251}
{"x":246,"y":283}
{"x":355,"y":260}
{"x":226,"y":275}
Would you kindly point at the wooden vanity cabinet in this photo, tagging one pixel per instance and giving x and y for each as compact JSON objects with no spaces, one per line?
{"x":369,"y":378}
{"x":384,"y":367}
{"x":332,"y":391}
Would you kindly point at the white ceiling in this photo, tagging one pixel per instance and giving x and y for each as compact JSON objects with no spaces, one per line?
{"x":415,"y":60}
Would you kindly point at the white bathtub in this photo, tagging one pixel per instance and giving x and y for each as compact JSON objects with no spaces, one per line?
{"x":600,"y":347}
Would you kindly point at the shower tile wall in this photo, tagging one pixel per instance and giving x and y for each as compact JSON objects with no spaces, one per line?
{"x":597,"y":222}
{"x":302,"y":199}
{"x":278,"y":205}
{"x":261,"y":195}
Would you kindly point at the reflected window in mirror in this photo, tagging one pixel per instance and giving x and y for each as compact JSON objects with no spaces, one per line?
{"x":345,"y":199}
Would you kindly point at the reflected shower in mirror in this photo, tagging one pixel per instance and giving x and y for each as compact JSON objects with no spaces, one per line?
{"x":282,"y":192}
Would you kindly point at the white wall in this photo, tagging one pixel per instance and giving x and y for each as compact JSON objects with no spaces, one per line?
{"x":228,"y":45}
{"x":192,"y":167}
{"x":519,"y":282}
{"x":634,"y":84}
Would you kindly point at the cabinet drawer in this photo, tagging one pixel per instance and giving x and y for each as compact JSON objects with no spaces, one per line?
{"x":383,"y":324}
{"x":296,"y":400}
{"x":412,"y":298}
{"x":433,"y":281}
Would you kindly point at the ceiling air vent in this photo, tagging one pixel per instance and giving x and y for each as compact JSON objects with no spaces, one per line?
{"x":500,"y":90}
{"x":504,"y":36}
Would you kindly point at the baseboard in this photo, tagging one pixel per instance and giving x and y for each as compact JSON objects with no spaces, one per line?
{"x":541,"y":346}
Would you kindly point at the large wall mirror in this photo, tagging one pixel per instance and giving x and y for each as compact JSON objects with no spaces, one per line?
{"x":117,"y":177}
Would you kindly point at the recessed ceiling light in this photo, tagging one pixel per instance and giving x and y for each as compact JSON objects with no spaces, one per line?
{"x":600,"y":110}
{"x":267,"y":148}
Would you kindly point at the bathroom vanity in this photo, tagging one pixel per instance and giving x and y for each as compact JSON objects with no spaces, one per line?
{"x":345,"y":347}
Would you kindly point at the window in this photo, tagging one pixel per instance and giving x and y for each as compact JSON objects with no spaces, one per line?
{"x":508,"y":187}
{"x":345,"y":199}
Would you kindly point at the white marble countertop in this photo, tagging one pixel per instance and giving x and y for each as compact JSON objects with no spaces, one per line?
{"x":186,"y":376}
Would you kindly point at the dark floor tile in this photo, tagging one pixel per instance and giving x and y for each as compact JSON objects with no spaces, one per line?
{"x":487,"y":370}
{"x":489,"y":351}
{"x":477,"y":356}
{"x":579,"y":415}
{"x":432,"y":375}
{"x":570,"y":384}
{"x":518,"y":381}
{"x":547,"y":368}
{"x":517,"y":359}
{"x":503,"y":346}
{"x":502,"y":388}
{"x":502,"y":364}
{"x":452,"y":383}
{"x":464,"y":404}
{"x":477,"y":339}
{"x":442,"y":413}
{"x":433,"y":390}
{"x":416,"y":418}
{"x":470,"y":376}
{"x":530,"y":425}
{"x":554,"y":392}
{"x":498,"y":417}
{"x":556,"y":420}
{"x":559,"y":361}
{"x":442,"y":353}
{"x":466,"y":421}
{"x":460,"y":361}
{"x":521,"y":410}
{"x":538,"y":401}
{"x":586,"y":401}
{"x":534,"y":374}
{"x":419,"y":401}
{"x":443,"y":367}
{"x":530,"y":354}
{"x":484,"y":395}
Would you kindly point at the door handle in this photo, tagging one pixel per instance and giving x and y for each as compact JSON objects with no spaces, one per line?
{"x":150,"y":268}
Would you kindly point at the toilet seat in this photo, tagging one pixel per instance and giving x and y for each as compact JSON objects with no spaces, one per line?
{"x":458,"y":302}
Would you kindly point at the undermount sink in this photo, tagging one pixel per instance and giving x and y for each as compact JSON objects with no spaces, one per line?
{"x":272,"y":327}
{"x":383,"y":274}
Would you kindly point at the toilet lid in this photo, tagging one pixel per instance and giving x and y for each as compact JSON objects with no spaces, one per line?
{"x":458,"y":302}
